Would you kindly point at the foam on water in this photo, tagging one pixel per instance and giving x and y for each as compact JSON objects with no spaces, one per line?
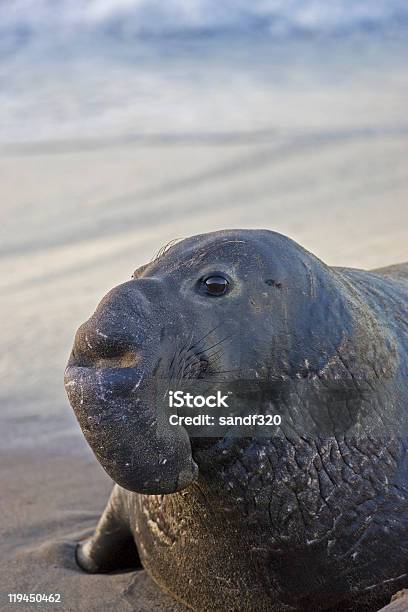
{"x":126,"y":18}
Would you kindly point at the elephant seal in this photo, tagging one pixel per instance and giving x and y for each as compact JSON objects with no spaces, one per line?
{"x":313,"y":516}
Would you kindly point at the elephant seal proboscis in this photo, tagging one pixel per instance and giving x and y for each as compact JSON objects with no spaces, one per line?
{"x":313,"y":516}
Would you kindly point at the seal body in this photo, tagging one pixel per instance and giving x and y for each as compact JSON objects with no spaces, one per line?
{"x":313,"y":516}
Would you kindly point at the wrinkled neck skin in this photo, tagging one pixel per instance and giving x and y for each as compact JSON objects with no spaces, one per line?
{"x":331,"y":490}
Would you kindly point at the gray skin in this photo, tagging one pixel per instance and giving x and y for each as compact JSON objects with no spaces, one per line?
{"x":312,"y":517}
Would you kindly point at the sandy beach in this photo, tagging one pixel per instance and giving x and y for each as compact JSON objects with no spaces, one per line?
{"x":320,"y":155}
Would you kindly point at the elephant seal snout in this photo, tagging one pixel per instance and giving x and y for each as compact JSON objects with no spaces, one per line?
{"x":311,"y":517}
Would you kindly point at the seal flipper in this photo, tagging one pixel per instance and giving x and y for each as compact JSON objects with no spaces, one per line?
{"x":112,"y":546}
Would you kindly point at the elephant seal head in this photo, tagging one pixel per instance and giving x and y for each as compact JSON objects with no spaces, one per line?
{"x":323,"y":496}
{"x":227,"y":306}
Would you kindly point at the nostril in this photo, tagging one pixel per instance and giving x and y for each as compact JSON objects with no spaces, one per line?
{"x":129,"y":359}
{"x":93,"y":348}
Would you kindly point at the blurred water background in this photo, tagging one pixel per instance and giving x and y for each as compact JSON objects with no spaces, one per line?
{"x":124,"y":69}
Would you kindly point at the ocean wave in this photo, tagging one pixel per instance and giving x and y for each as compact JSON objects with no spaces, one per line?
{"x":130,"y":18}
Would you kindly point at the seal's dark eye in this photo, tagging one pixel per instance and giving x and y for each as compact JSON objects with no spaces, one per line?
{"x":215,"y":285}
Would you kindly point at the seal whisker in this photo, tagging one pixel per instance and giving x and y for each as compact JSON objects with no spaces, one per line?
{"x":205,"y":336}
{"x":214,"y":358}
{"x":214,"y":345}
{"x":165,"y":248}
